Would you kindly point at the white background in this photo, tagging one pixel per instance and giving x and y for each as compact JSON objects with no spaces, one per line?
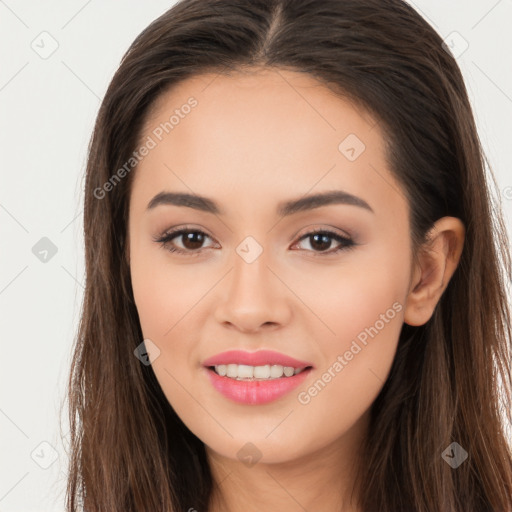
{"x":48,"y":107}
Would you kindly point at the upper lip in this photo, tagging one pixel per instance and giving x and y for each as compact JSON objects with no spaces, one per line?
{"x":259,"y":358}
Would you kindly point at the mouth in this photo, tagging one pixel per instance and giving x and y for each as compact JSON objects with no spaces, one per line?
{"x":267,"y":384}
{"x":266,"y":372}
{"x":255,"y":378}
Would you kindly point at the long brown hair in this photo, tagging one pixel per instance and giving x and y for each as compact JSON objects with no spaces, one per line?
{"x":451,"y":378}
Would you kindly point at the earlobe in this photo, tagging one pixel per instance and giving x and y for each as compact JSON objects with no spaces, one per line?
{"x":437,"y":260}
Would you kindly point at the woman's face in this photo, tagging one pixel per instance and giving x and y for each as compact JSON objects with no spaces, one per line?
{"x":250,"y":275}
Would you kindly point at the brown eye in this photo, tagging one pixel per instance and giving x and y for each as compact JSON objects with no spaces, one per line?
{"x":321,"y":240}
{"x":192,"y":241}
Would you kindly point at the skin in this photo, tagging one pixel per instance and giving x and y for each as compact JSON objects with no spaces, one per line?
{"x":254,"y":140}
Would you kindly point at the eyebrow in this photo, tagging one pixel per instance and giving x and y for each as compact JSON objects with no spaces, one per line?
{"x":284,"y":208}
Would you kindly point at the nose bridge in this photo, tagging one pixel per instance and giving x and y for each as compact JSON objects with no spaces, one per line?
{"x":254,"y":295}
{"x":250,"y":276}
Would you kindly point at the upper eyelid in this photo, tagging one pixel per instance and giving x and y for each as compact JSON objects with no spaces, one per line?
{"x":180,"y":230}
{"x":173,"y":233}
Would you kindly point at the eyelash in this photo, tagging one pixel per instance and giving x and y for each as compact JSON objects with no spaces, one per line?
{"x":347,"y":243}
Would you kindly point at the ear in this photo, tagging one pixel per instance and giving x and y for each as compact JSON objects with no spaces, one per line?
{"x":435,"y":264}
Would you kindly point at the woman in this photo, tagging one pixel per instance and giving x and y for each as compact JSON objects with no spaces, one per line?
{"x":295,"y":297}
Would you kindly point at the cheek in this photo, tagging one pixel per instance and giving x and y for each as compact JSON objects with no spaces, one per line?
{"x":363,"y":310}
{"x":355,"y":298}
{"x":356,"y":361}
{"x":165,"y":297}
{"x":168,"y":298}
{"x":164,"y":293}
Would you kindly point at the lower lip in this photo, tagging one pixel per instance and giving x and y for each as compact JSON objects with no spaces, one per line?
{"x":256,"y":392}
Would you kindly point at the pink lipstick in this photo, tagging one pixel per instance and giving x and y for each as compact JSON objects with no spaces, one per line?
{"x":255,"y":378}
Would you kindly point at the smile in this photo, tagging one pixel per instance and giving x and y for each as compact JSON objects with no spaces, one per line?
{"x":247,"y":372}
{"x":256,"y":391}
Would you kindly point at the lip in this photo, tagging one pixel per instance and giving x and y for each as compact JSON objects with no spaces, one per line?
{"x":259,"y":358}
{"x":255,"y":392}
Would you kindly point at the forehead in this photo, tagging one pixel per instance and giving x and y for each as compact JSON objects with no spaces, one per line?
{"x":266,"y":133}
{"x":264,"y":101}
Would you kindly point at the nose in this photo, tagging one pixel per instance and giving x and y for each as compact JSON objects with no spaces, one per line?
{"x":253,"y":297}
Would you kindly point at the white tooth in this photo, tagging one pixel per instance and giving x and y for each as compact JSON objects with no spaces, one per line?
{"x":262,"y":372}
{"x":288,"y":371}
{"x":276,"y":371}
{"x":245,"y":371}
{"x":232,"y":370}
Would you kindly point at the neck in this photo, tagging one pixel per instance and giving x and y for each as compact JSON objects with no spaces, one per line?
{"x":320,"y":480}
